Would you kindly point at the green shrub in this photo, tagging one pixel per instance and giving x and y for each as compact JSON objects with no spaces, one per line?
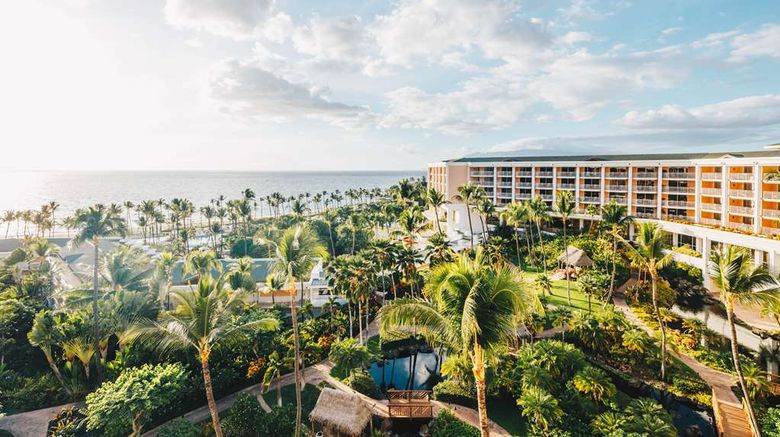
{"x":4,"y":433}
{"x":447,"y":425}
{"x":69,"y":422}
{"x":179,"y":427}
{"x":362,"y":382}
{"x":455,"y":392}
{"x":18,"y":393}
{"x":244,"y":417}
{"x":770,"y":422}
{"x":279,"y":422}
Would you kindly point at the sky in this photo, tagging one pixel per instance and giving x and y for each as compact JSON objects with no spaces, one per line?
{"x":378,"y":85}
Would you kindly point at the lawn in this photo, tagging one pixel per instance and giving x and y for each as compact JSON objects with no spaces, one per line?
{"x":579,"y":300}
{"x":507,"y":415}
{"x":309,"y":398}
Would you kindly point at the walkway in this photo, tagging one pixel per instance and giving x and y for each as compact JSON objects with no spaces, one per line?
{"x":32,"y":423}
{"x":733,"y":423}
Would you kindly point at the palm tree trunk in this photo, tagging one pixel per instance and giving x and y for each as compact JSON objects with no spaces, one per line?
{"x":528,"y":240}
{"x":471,"y":229}
{"x":517,"y":246}
{"x":568,"y":280}
{"x":479,"y":377}
{"x":614,"y":270}
{"x":360,"y":323}
{"x":541,"y":245}
{"x":735,"y":356}
{"x":57,"y":373}
{"x":297,"y":364}
{"x":95,"y":316}
{"x":204,"y":364}
{"x":436,"y":214}
{"x":484,"y":229}
{"x":660,"y":321}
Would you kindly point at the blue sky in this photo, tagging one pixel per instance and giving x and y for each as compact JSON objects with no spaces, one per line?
{"x":329,"y":85}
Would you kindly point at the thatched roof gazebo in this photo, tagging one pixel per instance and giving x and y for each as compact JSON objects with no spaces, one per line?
{"x":576,"y":258}
{"x":340,"y":414}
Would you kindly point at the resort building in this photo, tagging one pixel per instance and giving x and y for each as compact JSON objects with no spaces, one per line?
{"x":702,"y":199}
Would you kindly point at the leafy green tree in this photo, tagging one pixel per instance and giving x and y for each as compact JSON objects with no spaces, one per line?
{"x":436,"y":200}
{"x":609,"y":423}
{"x":593,"y":382}
{"x":348,"y":355}
{"x":45,"y":334}
{"x":540,"y":407}
{"x":470,"y":308}
{"x":616,"y":217}
{"x":202,"y":319}
{"x":470,"y":195}
{"x":515,"y":215}
{"x":273,"y":371}
{"x":539,"y":212}
{"x":130,"y":401}
{"x":741,"y":280}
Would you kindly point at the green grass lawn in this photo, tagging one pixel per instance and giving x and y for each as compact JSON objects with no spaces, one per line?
{"x":579,"y":300}
{"x":507,"y":415}
{"x":309,"y":398}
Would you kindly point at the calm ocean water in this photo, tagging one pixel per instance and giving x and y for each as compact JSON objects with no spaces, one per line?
{"x":29,"y":190}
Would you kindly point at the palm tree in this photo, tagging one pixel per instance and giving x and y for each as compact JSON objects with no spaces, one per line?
{"x":544,"y":283}
{"x":8,"y":217}
{"x":486,"y":209}
{"x":593,"y":382}
{"x":469,"y":194}
{"x":514,"y":215}
{"x":436,"y":200}
{"x":565,"y":206}
{"x":471,"y":308}
{"x":538,"y":213}
{"x":164,"y":271}
{"x":201,"y":263}
{"x":540,"y":406}
{"x":94,"y":223}
{"x":203,"y":318}
{"x":44,"y":334}
{"x":410,"y":223}
{"x":651,"y":254}
{"x":273,"y":371}
{"x":740,"y":280}
{"x":296,"y":253}
{"x":616,"y":217}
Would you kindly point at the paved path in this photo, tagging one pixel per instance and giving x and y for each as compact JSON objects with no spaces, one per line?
{"x":734,"y":420}
{"x":32,"y":423}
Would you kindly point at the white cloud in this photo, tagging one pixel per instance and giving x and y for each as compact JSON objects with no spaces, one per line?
{"x":246,"y":90}
{"x":232,"y":18}
{"x":572,"y":38}
{"x":764,"y":42}
{"x":744,"y":112}
{"x":481,"y":104}
{"x":669,"y":31}
{"x":338,"y":42}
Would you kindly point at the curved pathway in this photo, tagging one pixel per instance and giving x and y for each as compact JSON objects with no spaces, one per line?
{"x":733,"y":419}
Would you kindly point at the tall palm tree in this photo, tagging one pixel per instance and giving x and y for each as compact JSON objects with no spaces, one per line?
{"x":94,"y":223}
{"x":436,"y":200}
{"x":411,"y":222}
{"x":273,"y":371}
{"x":564,"y":205}
{"x":470,"y":195}
{"x":740,"y":280}
{"x":486,"y":209}
{"x":651,"y":254}
{"x":164,"y":272}
{"x":44,"y":334}
{"x":539,"y":213}
{"x":470,"y":308}
{"x":297,"y":251}
{"x":616,"y":217}
{"x":203,"y":318}
{"x":515,"y":215}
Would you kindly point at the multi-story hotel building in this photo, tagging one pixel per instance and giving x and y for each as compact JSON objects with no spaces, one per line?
{"x":701,"y":199}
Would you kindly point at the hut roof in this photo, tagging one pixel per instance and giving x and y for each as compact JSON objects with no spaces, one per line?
{"x":343,"y":412}
{"x":576,"y":257}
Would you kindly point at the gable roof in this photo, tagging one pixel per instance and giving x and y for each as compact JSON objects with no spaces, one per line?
{"x":619,"y":157}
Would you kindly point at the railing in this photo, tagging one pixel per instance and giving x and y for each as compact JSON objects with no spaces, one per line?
{"x":506,"y":174}
{"x":523,"y":185}
{"x":590,"y":200}
{"x":524,"y":174}
{"x":567,"y":174}
{"x":546,"y":196}
{"x":741,"y":226}
{"x":619,"y":188}
{"x":753,"y":426}
{"x":775,"y":381}
{"x":481,"y":174}
{"x":712,"y":191}
{"x":524,"y":196}
{"x":646,"y":175}
{"x":544,"y":185}
{"x":770,"y":213}
{"x":679,"y":217}
{"x":484,"y":184}
{"x":409,"y":404}
{"x":712,"y":207}
{"x":772,"y":195}
{"x":647,"y":215}
{"x":503,"y":195}
{"x":505,"y":184}
{"x":567,"y":186}
{"x":617,"y":174}
{"x":679,"y":203}
{"x":591,"y":174}
{"x":684,"y":190}
{"x":742,"y":210}
{"x":741,"y":193}
{"x":741,"y":176}
{"x":646,"y":202}
{"x":678,"y":175}
{"x":618,"y":200}
{"x":544,"y":173}
{"x":646,"y":188}
{"x":591,"y":187}
{"x":710,"y":221}
{"x":716,"y":412}
{"x":766,"y":230}
{"x":712,"y":176}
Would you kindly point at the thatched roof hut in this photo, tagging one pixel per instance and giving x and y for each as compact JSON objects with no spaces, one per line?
{"x":340,"y":413}
{"x":576,"y":257}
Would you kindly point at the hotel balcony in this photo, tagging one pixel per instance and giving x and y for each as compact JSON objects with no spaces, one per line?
{"x":741,"y":226}
{"x":712,"y":207}
{"x":742,"y":210}
{"x":646,"y":215}
{"x":544,"y":173}
{"x":646,"y":202}
{"x":771,"y":213}
{"x":678,"y":175}
{"x":646,"y":189}
{"x":646,"y":175}
{"x":567,"y":174}
{"x":544,"y":185}
{"x":712,"y":176}
{"x":523,"y":196}
{"x":712,"y":191}
{"x":617,"y":188}
{"x":523,"y":174}
{"x":772,"y":195}
{"x":679,"y":190}
{"x":747,"y":194}
{"x":506,"y":174}
{"x":618,"y":200}
{"x":482,"y":174}
{"x":591,"y":187}
{"x":590,"y":200}
{"x":591,"y":174}
{"x":741,"y":176}
{"x":679,"y":204}
{"x":503,"y":195}
{"x":523,"y":184}
{"x":504,"y":184}
{"x":567,"y":186}
{"x":710,"y":221}
{"x":766,"y":230}
{"x":679,"y":217}
{"x":546,"y":196}
{"x":617,"y":175}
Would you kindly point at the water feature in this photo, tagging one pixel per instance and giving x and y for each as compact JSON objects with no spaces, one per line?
{"x":393,"y":373}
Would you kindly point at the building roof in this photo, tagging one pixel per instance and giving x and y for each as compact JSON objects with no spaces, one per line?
{"x":601,"y":158}
{"x":576,"y":257}
{"x":345,"y":413}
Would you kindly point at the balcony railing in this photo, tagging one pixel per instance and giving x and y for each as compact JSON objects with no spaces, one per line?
{"x":712,"y":207}
{"x":546,"y":196}
{"x":567,"y":186}
{"x":503,"y":195}
{"x":741,"y":193}
{"x":591,"y":174}
{"x":590,"y":200}
{"x":712,"y":191}
{"x":544,"y":173}
{"x":617,"y":188}
{"x":683,"y":190}
{"x":567,"y":174}
{"x":710,"y":221}
{"x":523,"y":185}
{"x":523,"y":196}
{"x":591,"y":187}
{"x":679,"y":217}
{"x":741,"y":176}
{"x":678,"y":175}
{"x":712,"y":176}
{"x":773,"y":213}
{"x":505,"y":184}
{"x":679,"y":204}
{"x":618,"y":200}
{"x":646,"y":202}
{"x":766,"y":230}
{"x":617,"y":174}
{"x":772,"y":195}
{"x":742,"y":210}
{"x":481,"y":174}
{"x":741,"y":226}
{"x":646,"y":215}
{"x":524,"y":174}
{"x":646,"y":175}
{"x":646,"y":189}
{"x":544,"y":185}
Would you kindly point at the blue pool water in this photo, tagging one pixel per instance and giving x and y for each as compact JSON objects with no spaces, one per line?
{"x":396,"y":372}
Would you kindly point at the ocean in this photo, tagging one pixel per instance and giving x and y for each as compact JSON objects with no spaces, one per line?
{"x":30,"y":189}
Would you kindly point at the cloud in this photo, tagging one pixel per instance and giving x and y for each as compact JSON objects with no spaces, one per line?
{"x":751,"y":111}
{"x":231,"y":18}
{"x":764,"y":42}
{"x":246,"y":90}
{"x":572,"y":38}
{"x":481,"y":104}
{"x":336,"y":42}
{"x":669,"y":31}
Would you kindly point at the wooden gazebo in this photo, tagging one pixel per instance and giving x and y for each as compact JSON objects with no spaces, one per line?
{"x":575,"y":257}
{"x":340,"y":414}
